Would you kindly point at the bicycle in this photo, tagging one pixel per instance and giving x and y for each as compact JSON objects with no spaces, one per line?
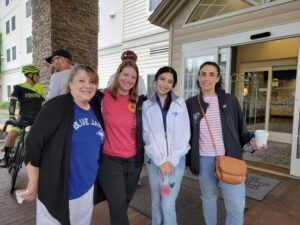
{"x":17,"y":153}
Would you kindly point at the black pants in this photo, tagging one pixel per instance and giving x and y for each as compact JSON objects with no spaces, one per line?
{"x":118,"y":179}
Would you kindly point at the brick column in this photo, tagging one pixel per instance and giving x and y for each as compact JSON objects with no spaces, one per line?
{"x":72,"y":25}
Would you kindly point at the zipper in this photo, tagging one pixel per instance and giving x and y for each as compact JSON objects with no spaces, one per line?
{"x":166,"y":137}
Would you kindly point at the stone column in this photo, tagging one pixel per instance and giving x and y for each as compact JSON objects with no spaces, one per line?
{"x":71,"y":25}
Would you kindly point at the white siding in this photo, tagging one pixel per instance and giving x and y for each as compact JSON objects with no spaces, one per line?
{"x":147,"y":63}
{"x":136,"y":22}
{"x":11,"y":71}
{"x":111,"y":22}
{"x":108,"y":63}
{"x":11,"y":78}
{"x":25,"y":31}
{"x":139,"y":36}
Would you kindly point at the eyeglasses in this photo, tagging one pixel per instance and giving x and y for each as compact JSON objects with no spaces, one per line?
{"x":54,"y":58}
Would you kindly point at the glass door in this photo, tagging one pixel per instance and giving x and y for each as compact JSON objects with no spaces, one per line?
{"x":267,"y":97}
{"x":254,"y":95}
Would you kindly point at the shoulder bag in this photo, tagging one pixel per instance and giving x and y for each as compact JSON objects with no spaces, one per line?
{"x":227,"y":169}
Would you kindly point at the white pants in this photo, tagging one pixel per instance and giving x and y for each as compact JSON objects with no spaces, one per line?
{"x":81,"y":210}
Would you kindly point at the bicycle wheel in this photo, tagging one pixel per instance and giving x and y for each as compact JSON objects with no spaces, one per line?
{"x":16,"y":165}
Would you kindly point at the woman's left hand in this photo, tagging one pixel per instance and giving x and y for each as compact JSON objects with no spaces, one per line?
{"x":166,"y":168}
{"x":31,"y":191}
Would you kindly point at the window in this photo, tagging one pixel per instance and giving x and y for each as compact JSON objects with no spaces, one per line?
{"x":150,"y":85}
{"x":209,"y":9}
{"x":7,"y":55}
{"x":14,"y":53}
{"x":13,"y":23}
{"x":28,"y":8}
{"x":29,"y":45}
{"x":152,"y":4}
{"x":191,"y":68}
{"x":6,"y":2}
{"x":7,"y":26}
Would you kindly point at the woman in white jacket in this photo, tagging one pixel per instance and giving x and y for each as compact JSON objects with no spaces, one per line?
{"x":166,"y":133}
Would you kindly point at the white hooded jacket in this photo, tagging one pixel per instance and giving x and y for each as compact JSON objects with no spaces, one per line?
{"x":177,"y":133}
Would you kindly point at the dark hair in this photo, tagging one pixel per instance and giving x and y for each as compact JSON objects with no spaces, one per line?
{"x":133,"y":92}
{"x":209,"y":63}
{"x":81,"y":67}
{"x":166,"y":69}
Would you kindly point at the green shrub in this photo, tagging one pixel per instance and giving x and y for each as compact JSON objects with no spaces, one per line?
{"x":4,"y":105}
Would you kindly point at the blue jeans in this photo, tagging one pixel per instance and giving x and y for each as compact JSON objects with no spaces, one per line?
{"x":163,"y":207}
{"x":234,"y":195}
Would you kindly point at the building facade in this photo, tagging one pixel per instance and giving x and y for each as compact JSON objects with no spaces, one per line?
{"x":256,"y":43}
{"x":124,"y":25}
{"x":16,"y":30}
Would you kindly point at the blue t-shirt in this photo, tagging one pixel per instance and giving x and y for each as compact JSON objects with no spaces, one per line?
{"x":87,"y":139}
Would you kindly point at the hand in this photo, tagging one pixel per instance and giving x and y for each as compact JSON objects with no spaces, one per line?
{"x":31,"y":192}
{"x":12,"y":118}
{"x":257,"y":146}
{"x":166,"y":168}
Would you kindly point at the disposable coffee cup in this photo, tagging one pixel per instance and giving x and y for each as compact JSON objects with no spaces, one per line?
{"x":261,"y":137}
{"x":18,"y":193}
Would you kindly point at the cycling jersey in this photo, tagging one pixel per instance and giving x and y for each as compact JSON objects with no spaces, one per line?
{"x":30,"y":98}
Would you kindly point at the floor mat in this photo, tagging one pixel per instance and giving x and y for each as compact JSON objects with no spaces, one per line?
{"x":257,"y":187}
{"x":277,"y":154}
{"x":188,"y":204}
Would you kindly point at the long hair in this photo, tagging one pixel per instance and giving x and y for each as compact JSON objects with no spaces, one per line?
{"x":219,"y":83}
{"x":133,"y":92}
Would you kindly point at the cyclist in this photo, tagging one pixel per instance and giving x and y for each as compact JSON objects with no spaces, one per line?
{"x":30,"y":96}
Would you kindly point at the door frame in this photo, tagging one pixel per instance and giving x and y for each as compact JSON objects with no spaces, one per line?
{"x":295,"y":162}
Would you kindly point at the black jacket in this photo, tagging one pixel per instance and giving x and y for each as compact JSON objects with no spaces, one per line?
{"x":234,"y":128}
{"x":48,"y":147}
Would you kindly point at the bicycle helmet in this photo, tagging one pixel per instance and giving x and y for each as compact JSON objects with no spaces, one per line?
{"x":30,"y":69}
{"x":129,"y":55}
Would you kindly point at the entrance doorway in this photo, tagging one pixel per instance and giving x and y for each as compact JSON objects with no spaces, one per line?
{"x":265,"y":77}
{"x":266,"y":90}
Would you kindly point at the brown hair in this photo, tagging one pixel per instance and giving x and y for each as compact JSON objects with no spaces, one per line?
{"x":133,"y":92}
{"x":80,"y":67}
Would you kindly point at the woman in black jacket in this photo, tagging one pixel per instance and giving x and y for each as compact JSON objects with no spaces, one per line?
{"x":228,"y":136}
{"x":62,"y":153}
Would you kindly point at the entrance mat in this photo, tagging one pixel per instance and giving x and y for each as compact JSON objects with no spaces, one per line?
{"x":277,"y":154}
{"x":257,"y":187}
{"x":188,"y":204}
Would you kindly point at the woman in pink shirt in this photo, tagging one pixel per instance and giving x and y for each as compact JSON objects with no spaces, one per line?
{"x":123,"y":150}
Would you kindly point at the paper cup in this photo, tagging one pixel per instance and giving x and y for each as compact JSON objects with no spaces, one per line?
{"x":261,"y":137}
{"x":18,"y":195}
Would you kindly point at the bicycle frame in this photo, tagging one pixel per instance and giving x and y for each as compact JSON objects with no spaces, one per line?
{"x":17,"y":154}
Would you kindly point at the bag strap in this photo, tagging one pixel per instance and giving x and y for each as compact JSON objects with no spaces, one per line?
{"x":209,"y":130}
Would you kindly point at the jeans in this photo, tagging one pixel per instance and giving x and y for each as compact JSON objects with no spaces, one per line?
{"x":234,"y":195}
{"x":118,"y":179}
{"x":163,"y":207}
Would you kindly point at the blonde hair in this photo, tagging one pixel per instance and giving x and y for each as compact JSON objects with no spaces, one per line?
{"x":81,"y":67}
{"x":133,"y":92}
